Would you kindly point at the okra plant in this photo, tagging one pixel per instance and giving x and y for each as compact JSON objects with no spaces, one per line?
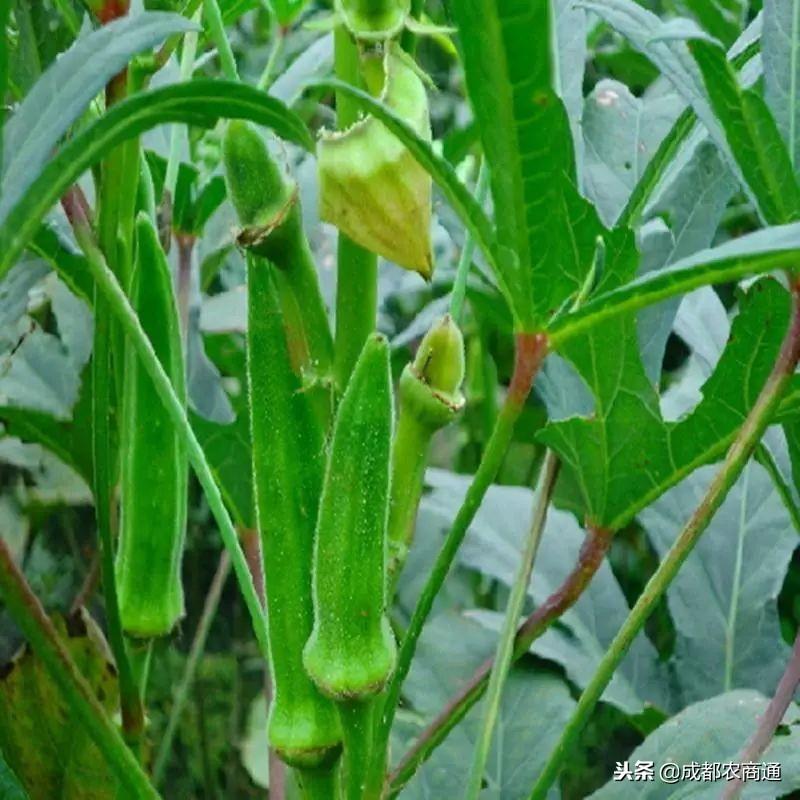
{"x":464,"y":335}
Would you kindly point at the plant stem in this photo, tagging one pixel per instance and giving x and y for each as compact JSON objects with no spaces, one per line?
{"x":771,"y":718}
{"x":265,"y":81}
{"x":465,"y":260}
{"x":120,"y":307}
{"x":195,"y":654}
{"x":356,"y":268}
{"x":531,"y":349}
{"x":357,"y":719}
{"x":216,"y":30}
{"x":505,"y":645}
{"x":317,"y":784}
{"x":735,"y":460}
{"x":38,"y":629}
{"x":590,"y":558}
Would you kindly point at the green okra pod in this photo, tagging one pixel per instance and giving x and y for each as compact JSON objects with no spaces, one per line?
{"x":430,"y":398}
{"x":288,"y":466}
{"x":154,"y":466}
{"x":351,"y":652}
{"x":267,"y":203}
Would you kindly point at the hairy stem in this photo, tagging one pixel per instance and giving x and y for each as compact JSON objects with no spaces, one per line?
{"x":505,"y":645}
{"x":195,"y":654}
{"x":771,"y":718}
{"x":357,"y":736}
{"x":356,"y":268}
{"x":590,"y":558}
{"x":36,"y":626}
{"x":531,"y":349}
{"x":216,"y":31}
{"x":735,"y":460}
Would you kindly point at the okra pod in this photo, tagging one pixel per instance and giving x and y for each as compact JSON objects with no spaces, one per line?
{"x":351,"y":652}
{"x":288,"y":467}
{"x":154,"y":466}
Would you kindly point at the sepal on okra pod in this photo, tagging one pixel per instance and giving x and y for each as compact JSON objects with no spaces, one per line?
{"x":263,"y":195}
{"x":430,"y":386}
{"x":370,"y":185}
{"x":351,"y":651}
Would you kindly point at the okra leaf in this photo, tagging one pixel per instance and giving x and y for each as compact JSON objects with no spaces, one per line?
{"x":724,"y":600}
{"x":687,"y":738}
{"x":199,"y":102}
{"x":721,"y":18}
{"x":752,"y":136}
{"x":493,"y":546}
{"x":626,"y":455}
{"x":774,"y":248}
{"x":67,"y":87}
{"x":10,"y":787}
{"x":546,"y":230}
{"x":780,"y":53}
{"x":534,"y":708}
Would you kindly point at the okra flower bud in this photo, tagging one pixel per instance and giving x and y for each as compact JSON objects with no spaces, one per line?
{"x":430,"y":398}
{"x":374,"y":20}
{"x":371,"y":187}
{"x":351,"y":652}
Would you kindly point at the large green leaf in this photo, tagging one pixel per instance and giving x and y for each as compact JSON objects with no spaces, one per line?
{"x":752,"y":136}
{"x":724,"y":600}
{"x":713,"y":731}
{"x":64,"y":91}
{"x":493,"y":546}
{"x":546,"y":231}
{"x":781,"y":55}
{"x":200,"y":102}
{"x":625,"y":455}
{"x":535,"y":706}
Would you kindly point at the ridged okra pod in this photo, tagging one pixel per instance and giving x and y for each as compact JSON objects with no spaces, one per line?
{"x":154,"y":466}
{"x":430,"y":398}
{"x":288,"y":465}
{"x":268,"y":206}
{"x":351,"y":652}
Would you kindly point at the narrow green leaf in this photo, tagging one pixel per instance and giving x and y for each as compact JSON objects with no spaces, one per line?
{"x":752,"y":136}
{"x":200,"y":102}
{"x":781,"y":55}
{"x":543,"y":224}
{"x":61,"y":95}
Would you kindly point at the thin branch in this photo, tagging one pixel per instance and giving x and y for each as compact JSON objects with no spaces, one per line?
{"x":505,"y":645}
{"x":771,"y":718}
{"x":738,"y":455}
{"x":38,"y":629}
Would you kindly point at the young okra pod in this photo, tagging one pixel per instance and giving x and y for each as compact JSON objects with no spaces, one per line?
{"x":288,"y":465}
{"x":154,"y":466}
{"x":351,"y":652}
{"x":430,"y":398}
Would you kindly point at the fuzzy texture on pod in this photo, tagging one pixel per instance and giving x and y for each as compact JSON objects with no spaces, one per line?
{"x":430,"y":398}
{"x":154,"y":468}
{"x":373,"y":20}
{"x":267,"y":203}
{"x":351,"y":652}
{"x":370,"y":186}
{"x":288,"y":465}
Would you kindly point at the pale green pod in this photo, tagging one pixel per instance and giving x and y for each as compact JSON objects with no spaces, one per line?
{"x":371,"y":187}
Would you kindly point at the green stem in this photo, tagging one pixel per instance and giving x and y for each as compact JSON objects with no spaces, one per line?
{"x":408,"y":40}
{"x":409,"y":455}
{"x":108,"y":286}
{"x":465,"y":260}
{"x":195,"y":654}
{"x":530,"y":352}
{"x":129,"y":697}
{"x":26,"y":610}
{"x":357,"y":719}
{"x":505,"y":646}
{"x":735,"y":460}
{"x":318,"y":784}
{"x":265,"y":81}
{"x":216,"y":30}
{"x":357,"y":268}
